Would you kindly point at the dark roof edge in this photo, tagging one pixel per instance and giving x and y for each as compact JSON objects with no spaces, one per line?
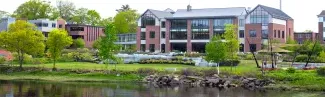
{"x":199,"y":17}
{"x":83,"y":25}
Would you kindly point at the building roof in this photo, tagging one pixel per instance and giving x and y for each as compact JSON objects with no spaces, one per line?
{"x":275,"y":13}
{"x":303,"y":32}
{"x":209,"y":12}
{"x":160,"y":14}
{"x":322,"y":13}
{"x":83,"y":25}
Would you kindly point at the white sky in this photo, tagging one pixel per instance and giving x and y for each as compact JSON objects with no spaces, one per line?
{"x":304,"y":12}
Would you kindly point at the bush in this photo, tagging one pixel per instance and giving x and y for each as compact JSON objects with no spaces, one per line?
{"x":164,"y":61}
{"x":2,"y":60}
{"x":291,"y":70}
{"x":146,"y":71}
{"x":38,"y":61}
{"x":27,"y":58}
{"x":78,"y":43}
{"x":321,"y":71}
{"x":249,"y":56}
{"x":210,"y":71}
{"x":229,"y":62}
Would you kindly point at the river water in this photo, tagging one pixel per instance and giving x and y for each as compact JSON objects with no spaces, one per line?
{"x":88,"y":89}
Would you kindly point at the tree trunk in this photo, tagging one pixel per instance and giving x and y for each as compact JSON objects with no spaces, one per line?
{"x":21,"y":59}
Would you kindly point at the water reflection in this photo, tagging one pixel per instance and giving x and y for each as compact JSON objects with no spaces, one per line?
{"x":48,"y":89}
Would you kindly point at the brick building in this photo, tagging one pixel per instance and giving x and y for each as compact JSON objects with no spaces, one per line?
{"x":86,"y":32}
{"x":321,"y":26}
{"x":189,"y":30}
{"x":300,"y":37}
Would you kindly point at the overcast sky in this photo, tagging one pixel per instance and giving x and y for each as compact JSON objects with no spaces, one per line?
{"x":304,"y":12}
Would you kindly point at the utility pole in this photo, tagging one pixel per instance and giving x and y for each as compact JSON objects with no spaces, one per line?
{"x":280,"y":4}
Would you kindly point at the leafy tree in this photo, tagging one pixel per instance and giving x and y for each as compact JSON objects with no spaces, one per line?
{"x":56,"y":42}
{"x":107,"y":47}
{"x":126,"y":20}
{"x":23,"y":38}
{"x":231,"y":41}
{"x":80,"y":16}
{"x":93,"y":17}
{"x":66,"y":9}
{"x":291,"y":41}
{"x":124,"y":8}
{"x":96,"y":43}
{"x":105,"y":21}
{"x":3,"y":14}
{"x":215,"y":45}
{"x":78,"y":43}
{"x":34,"y":9}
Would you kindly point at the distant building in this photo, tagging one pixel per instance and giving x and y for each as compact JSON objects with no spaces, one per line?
{"x":5,"y":22}
{"x":88,"y":33}
{"x":300,"y":37}
{"x":46,"y":25}
{"x":321,"y":26}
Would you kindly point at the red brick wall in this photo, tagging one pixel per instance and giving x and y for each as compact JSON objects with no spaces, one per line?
{"x":211,"y":28}
{"x":138,"y":38}
{"x":253,"y":40}
{"x":90,"y":33}
{"x":189,"y":36}
{"x":320,"y":31}
{"x":155,"y":40}
{"x":167,"y":46}
{"x":277,"y":27}
{"x":290,"y":28}
{"x":61,"y":22}
{"x":304,"y":37}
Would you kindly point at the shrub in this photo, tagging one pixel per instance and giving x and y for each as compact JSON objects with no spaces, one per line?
{"x":38,"y":61}
{"x":249,"y":56}
{"x":78,"y":43}
{"x":27,"y":58}
{"x":291,"y":70}
{"x":210,"y":71}
{"x":229,"y":62}
{"x":2,"y":60}
{"x":321,"y":71}
{"x":146,"y":71}
{"x":301,"y":58}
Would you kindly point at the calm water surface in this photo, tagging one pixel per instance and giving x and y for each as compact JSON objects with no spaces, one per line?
{"x":51,"y":89}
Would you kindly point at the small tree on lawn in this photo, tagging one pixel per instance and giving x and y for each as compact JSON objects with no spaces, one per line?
{"x":107,"y":48}
{"x":56,"y":42}
{"x":78,"y":43}
{"x":215,"y":50}
{"x":23,"y":38}
{"x":232,"y":42}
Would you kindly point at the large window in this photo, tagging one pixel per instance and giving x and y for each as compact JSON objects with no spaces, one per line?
{"x":152,"y":34}
{"x":279,"y":34}
{"x":45,"y":24}
{"x":200,"y":29}
{"x":241,"y":33}
{"x":147,"y":19}
{"x":53,"y":25}
{"x":143,"y":35}
{"x":76,"y":28}
{"x":252,"y":33}
{"x":163,"y":24}
{"x":265,"y":34}
{"x":163,"y":34}
{"x":143,"y":47}
{"x":308,"y":35}
{"x":283,"y":34}
{"x":241,"y":22}
{"x":178,"y":29}
{"x":252,"y":47}
{"x":219,"y":25}
{"x":152,"y":47}
{"x":259,"y":15}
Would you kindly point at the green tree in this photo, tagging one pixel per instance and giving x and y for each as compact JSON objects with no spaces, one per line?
{"x":23,"y":38}
{"x":291,"y":41}
{"x":107,"y":47}
{"x":231,"y":42}
{"x":56,"y":42}
{"x":124,"y":8}
{"x":105,"y":21}
{"x":126,"y":20}
{"x":66,"y":9}
{"x":93,"y":17}
{"x":34,"y":9}
{"x":96,"y":43}
{"x":78,"y":43}
{"x":3,"y":14}
{"x":80,"y":16}
{"x":215,"y":45}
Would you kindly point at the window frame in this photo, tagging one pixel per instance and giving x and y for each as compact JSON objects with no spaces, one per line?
{"x":152,"y":34}
{"x":252,"y":35}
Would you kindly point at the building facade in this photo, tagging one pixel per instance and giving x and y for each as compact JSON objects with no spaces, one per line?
{"x":300,"y":37}
{"x":189,"y":30}
{"x":86,"y":32}
{"x":127,"y":41}
{"x":5,"y":22}
{"x":44,"y":25}
{"x":321,"y":26}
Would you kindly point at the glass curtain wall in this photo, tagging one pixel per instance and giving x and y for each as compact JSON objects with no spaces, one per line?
{"x":219,"y":25}
{"x":259,"y":15}
{"x":178,"y":29}
{"x":147,"y":19}
{"x":200,"y":29}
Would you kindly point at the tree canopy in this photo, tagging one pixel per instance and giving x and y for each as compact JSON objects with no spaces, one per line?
{"x":23,"y":38}
{"x":215,"y":50}
{"x":66,"y":9}
{"x":231,"y":41}
{"x":107,"y":47}
{"x":56,"y":42}
{"x":126,"y":20}
{"x":34,"y":9}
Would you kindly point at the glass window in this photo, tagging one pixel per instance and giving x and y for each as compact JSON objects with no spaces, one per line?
{"x":299,"y":36}
{"x":143,"y":36}
{"x":152,"y":47}
{"x":60,"y":26}
{"x":241,"y":22}
{"x":178,"y":29}
{"x":283,"y":34}
{"x":279,"y":33}
{"x":178,"y":24}
{"x":307,"y":35}
{"x":152,"y":34}
{"x":45,"y":24}
{"x":200,"y":29}
{"x":265,"y":34}
{"x":53,"y":25}
{"x":274,"y":34}
{"x":241,"y":34}
{"x":143,"y":47}
{"x":163,"y":34}
{"x":252,"y":47}
{"x":252,"y":33}
{"x":163,"y":24}
{"x":147,"y":19}
{"x":259,"y":16}
{"x":220,"y":23}
{"x":241,"y":47}
{"x":77,"y":28}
